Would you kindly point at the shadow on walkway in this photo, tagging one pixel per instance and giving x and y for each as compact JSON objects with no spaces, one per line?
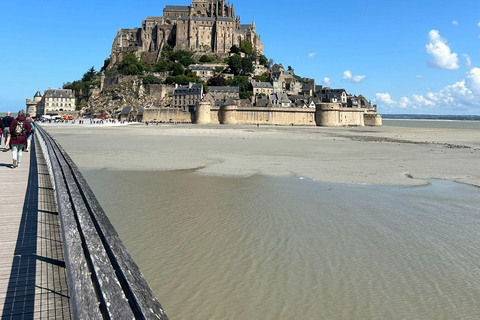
{"x":37,"y":285}
{"x":20,"y":298}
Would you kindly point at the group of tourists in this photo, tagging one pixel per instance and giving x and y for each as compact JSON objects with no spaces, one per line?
{"x":18,"y":134}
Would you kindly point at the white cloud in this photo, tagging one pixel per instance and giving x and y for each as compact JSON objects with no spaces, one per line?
{"x":421,"y":76}
{"x":347,"y":76}
{"x":384,"y":98}
{"x":455,"y":23}
{"x":443,"y":57}
{"x":312,"y":55}
{"x":404,"y":102}
{"x":468,"y":61}
{"x":461,"y":97}
{"x":327,"y":81}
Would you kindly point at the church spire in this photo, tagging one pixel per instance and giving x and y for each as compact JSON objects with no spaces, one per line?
{"x":253,"y":24}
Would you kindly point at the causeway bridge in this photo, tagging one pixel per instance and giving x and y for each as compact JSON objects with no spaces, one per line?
{"x":60,"y":257}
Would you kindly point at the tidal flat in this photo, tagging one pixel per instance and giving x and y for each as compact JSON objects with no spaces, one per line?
{"x":388,"y":155}
{"x":293,"y":223}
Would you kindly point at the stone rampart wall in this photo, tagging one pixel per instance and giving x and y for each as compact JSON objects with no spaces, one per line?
{"x":328,"y":115}
{"x":167,"y":115}
{"x":272,"y":116}
{"x":373,"y":120}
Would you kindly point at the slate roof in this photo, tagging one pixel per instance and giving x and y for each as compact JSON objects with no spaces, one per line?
{"x":126,"y":110}
{"x":59,"y":93}
{"x":245,"y":27}
{"x":177,"y":8}
{"x":195,"y":89}
{"x":224,"y":89}
{"x":262,"y":85}
{"x":202,"y":68}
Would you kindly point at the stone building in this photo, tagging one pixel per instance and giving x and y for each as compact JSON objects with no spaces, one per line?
{"x":264,"y":88}
{"x":280,"y":100}
{"x":285,"y":81}
{"x":34,"y":106}
{"x":259,"y":69}
{"x":203,"y":72}
{"x":222,"y":94}
{"x":326,"y":94}
{"x":54,"y":101}
{"x":187,"y":97}
{"x":207,"y":26}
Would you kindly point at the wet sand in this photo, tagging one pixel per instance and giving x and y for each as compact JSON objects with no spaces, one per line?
{"x":405,"y":156}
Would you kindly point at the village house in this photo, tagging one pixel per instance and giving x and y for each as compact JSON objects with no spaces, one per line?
{"x":259,"y":69}
{"x":54,"y":101}
{"x":222,"y":94}
{"x":264,"y":88}
{"x":280,"y":100}
{"x":203,"y":72}
{"x":187,"y":97}
{"x":327,"y":94}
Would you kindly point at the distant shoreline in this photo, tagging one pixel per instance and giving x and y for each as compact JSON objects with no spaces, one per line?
{"x":430,"y":117}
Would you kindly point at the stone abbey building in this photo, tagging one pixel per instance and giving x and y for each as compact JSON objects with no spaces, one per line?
{"x":206,"y":26}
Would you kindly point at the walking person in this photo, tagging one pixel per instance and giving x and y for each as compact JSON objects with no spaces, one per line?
{"x":2,"y":128}
{"x":30,"y":136}
{"x":7,"y":121}
{"x":19,"y":129}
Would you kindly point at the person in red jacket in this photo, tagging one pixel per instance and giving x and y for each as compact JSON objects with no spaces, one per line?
{"x":19,"y":129}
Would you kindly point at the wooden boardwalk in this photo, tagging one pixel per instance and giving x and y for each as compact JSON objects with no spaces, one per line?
{"x":32,"y":269}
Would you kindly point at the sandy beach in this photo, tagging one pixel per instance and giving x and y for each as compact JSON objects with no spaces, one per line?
{"x":358,"y":155}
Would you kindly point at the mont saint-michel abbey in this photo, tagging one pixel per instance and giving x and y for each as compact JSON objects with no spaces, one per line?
{"x":206,"y":26}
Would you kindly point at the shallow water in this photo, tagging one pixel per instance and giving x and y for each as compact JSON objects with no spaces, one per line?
{"x":290,"y":248}
{"x":440,"y":124}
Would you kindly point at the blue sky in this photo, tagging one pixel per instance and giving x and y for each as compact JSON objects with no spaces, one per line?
{"x":406,"y":56}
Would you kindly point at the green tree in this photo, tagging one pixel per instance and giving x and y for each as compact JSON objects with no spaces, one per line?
{"x":181,"y":79}
{"x":246,"y":47}
{"x":176,"y":69}
{"x":130,"y":65}
{"x":235,"y":49}
{"x":235,"y":64}
{"x":262,"y":78}
{"x":182,"y":56}
{"x":88,"y":76}
{"x":263,"y":61}
{"x":162,"y":65}
{"x":149,"y":79}
{"x":205,"y":59}
{"x":167,"y":51}
{"x":241,"y":82}
{"x":246,"y":94}
{"x":247,"y":65}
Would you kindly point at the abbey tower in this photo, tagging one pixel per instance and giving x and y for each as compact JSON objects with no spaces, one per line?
{"x":206,"y":26}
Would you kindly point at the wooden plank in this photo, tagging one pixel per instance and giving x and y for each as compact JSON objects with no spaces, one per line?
{"x":84,"y":297}
{"x":111,"y":290}
{"x":32,"y":273}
